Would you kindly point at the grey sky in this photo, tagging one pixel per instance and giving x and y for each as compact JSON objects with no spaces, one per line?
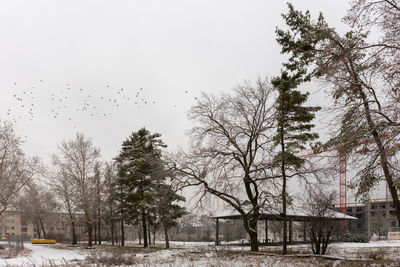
{"x":164,"y":47}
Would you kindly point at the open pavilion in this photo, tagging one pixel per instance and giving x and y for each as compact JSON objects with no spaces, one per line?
{"x":293,"y":214}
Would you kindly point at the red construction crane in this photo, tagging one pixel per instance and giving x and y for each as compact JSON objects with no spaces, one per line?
{"x":343,"y":171}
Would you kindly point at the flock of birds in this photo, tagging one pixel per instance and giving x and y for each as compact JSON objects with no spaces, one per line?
{"x":71,"y":101}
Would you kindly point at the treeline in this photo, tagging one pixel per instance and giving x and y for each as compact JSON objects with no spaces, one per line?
{"x":134,"y":189}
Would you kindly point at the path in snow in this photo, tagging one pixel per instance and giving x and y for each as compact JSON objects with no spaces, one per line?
{"x":43,"y":255}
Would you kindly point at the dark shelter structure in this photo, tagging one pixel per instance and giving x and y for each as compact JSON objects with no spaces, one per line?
{"x":294,"y":214}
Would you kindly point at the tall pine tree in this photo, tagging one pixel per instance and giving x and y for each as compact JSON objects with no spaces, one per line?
{"x":293,"y":132}
{"x":139,"y":165}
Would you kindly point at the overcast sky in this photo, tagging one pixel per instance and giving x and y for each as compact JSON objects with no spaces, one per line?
{"x":63,"y":63}
{"x":107,"y":68}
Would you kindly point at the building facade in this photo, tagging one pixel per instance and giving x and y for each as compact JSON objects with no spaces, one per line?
{"x":377,"y":217}
{"x":56,"y":226}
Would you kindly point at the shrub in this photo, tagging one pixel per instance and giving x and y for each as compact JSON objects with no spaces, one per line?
{"x":378,"y":254}
{"x":112,"y":258}
{"x":358,"y":238}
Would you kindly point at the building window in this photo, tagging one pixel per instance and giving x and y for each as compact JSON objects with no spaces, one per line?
{"x":359,"y":216}
{"x":383,"y":206}
{"x":383,"y":213}
{"x":373,"y":207}
{"x":359,"y":225}
{"x":359,"y":209}
{"x":24,"y":229}
{"x":372,"y":214}
{"x":392,"y":206}
{"x":349,"y":210}
{"x":392,"y":213}
{"x":394,"y":224}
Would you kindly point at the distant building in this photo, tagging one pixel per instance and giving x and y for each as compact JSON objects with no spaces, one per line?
{"x":377,"y":217}
{"x":12,"y":225}
{"x":57,"y":226}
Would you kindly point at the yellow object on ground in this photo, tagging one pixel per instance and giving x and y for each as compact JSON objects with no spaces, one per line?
{"x":4,"y":238}
{"x":43,"y":241}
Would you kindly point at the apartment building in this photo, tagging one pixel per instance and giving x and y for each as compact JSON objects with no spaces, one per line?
{"x":12,"y":225}
{"x":377,"y":217}
{"x":56,"y":225}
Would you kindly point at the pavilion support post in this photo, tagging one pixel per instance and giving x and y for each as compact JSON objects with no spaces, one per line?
{"x":217,"y":232}
{"x":305,"y":230}
{"x":290,"y":231}
{"x":266,"y":231}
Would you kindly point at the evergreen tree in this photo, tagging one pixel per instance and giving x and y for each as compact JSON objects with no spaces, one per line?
{"x":139,"y":164}
{"x":167,"y":209}
{"x":120,"y":193}
{"x":293,"y":131}
{"x":361,"y":76}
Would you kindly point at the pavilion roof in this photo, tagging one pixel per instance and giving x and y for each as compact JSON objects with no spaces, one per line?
{"x":292,"y":212}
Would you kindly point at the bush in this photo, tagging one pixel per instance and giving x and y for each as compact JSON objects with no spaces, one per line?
{"x":113,"y":257}
{"x":358,"y":238}
{"x":378,"y":254}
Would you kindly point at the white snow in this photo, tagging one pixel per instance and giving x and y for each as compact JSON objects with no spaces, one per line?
{"x":204,"y":254}
{"x":43,"y":255}
{"x":372,"y":244}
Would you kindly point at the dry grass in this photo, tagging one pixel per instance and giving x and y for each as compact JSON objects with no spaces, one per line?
{"x":5,"y":252}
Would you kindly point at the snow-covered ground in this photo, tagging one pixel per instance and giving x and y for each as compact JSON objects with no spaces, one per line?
{"x":205,"y":254}
{"x":43,"y":255}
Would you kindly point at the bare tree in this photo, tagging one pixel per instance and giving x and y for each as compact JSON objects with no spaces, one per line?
{"x":382,"y":17}
{"x":64,"y":191}
{"x":36,"y":204}
{"x":230,"y":151}
{"x":318,"y":205}
{"x":78,"y":159}
{"x":16,"y":170}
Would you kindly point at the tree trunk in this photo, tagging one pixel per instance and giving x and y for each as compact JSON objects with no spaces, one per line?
{"x":140,"y":236}
{"x":166,"y":237}
{"x":253,"y":241}
{"x":95,"y":234}
{"x":90,"y":233}
{"x":122,"y":233}
{"x":283,"y":171}
{"x":99,"y":230}
{"x":42,"y":227}
{"x":154,"y":235}
{"x":382,"y":151}
{"x":98,"y":207}
{"x":149,"y":233}
{"x":284,"y":238}
{"x":145,"y":244}
{"x":116,"y":234}
{"x":112,"y":234}
{"x":74,"y":240}
{"x":251,"y":227}
{"x":38,"y":231}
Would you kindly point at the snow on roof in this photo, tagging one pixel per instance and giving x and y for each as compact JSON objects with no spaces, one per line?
{"x":290,"y":212}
